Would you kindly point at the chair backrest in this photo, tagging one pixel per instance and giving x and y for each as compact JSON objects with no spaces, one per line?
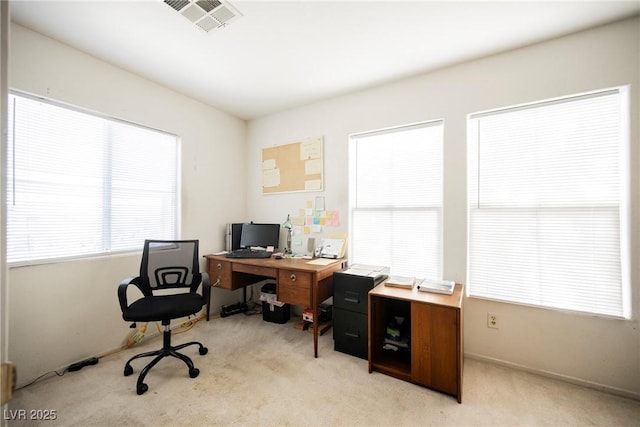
{"x":170,"y":264}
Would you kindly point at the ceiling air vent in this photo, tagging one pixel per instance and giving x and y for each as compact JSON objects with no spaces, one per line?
{"x":206,"y":14}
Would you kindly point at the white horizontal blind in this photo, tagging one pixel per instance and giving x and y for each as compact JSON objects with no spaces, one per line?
{"x":396,"y":199}
{"x":548,"y":204}
{"x":81,"y":184}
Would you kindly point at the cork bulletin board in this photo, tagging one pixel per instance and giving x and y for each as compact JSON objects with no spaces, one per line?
{"x":297,"y":166}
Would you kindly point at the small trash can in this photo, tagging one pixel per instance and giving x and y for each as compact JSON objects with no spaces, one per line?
{"x":272,"y":309}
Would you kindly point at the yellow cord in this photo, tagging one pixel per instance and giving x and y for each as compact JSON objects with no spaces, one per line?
{"x":186,"y":325}
{"x":137,"y":336}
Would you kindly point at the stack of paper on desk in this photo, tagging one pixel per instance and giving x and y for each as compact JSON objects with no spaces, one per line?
{"x":437,"y":286}
{"x":400,"y":281}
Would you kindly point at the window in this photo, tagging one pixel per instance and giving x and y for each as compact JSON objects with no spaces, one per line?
{"x":395,"y":199}
{"x":81,"y":184}
{"x":548,"y":204}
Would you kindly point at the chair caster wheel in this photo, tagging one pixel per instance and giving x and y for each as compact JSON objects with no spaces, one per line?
{"x":128,"y":370}
{"x":203,"y":351}
{"x":194,"y":372}
{"x":141,"y":388}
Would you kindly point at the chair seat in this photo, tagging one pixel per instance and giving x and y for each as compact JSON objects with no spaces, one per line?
{"x":163,"y":307}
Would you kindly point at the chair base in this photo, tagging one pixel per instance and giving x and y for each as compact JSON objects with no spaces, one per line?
{"x":166,"y":351}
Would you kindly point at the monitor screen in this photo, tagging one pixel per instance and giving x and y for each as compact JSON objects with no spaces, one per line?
{"x":261,"y":235}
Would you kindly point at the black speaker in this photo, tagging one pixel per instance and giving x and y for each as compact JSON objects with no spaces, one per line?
{"x":232,"y":241}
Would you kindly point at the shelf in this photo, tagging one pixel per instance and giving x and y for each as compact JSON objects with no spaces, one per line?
{"x":397,"y":364}
{"x":434,"y":327}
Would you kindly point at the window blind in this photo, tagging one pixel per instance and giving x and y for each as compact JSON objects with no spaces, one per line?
{"x":81,"y":184}
{"x":548,"y":204}
{"x":396,"y":199}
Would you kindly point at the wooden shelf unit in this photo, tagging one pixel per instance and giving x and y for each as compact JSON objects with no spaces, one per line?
{"x":433,"y":322}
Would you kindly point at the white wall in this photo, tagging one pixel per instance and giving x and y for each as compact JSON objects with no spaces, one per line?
{"x":61,"y":313}
{"x":4,"y":290}
{"x":598,"y":351}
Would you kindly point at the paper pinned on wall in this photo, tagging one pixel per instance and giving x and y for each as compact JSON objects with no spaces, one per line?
{"x":313,"y":167}
{"x":332,"y":218}
{"x":271,"y":177}
{"x":269,"y":164}
{"x":311,"y":149}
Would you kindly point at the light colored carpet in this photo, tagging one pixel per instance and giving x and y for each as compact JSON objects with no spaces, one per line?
{"x":261,"y":373}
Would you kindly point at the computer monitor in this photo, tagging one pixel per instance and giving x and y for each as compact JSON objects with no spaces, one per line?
{"x":262,"y":235}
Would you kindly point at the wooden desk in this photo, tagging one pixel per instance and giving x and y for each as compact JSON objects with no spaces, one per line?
{"x":297,"y":281}
{"x":434,"y":322}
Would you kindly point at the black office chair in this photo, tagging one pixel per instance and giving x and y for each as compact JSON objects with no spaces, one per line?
{"x":166,"y":265}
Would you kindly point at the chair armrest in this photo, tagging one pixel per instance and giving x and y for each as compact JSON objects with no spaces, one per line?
{"x":122,"y":290}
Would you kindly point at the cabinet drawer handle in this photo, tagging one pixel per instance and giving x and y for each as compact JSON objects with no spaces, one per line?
{"x":353,"y":300}
{"x":352,"y":335}
{"x":292,"y":277}
{"x":219,"y":266}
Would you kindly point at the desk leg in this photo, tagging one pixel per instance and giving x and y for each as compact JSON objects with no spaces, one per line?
{"x":209,"y":303}
{"x":314,"y":310}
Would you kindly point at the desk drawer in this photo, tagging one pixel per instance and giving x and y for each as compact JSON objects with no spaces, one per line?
{"x":219,"y":274}
{"x":350,"y":333}
{"x":350,"y":292}
{"x":294,"y":287}
{"x":256,"y":270}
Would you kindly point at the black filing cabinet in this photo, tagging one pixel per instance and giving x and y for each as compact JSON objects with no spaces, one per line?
{"x":350,"y":298}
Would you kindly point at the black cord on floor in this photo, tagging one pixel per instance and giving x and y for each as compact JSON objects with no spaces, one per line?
{"x":42,"y":376}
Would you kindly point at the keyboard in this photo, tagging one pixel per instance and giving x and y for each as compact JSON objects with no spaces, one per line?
{"x":249,"y":253}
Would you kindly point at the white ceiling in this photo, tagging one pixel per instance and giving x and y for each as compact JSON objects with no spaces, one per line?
{"x":282,"y":54}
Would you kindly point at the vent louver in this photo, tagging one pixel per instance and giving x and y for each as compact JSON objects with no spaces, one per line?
{"x":205,"y":14}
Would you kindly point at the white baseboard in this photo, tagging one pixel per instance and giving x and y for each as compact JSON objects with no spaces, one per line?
{"x":566,"y":378}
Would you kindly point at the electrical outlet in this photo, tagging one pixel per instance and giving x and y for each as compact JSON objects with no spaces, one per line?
{"x":492,"y":320}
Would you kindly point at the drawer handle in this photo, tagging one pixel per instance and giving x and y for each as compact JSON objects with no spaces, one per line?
{"x":219,"y":266}
{"x":352,"y":335}
{"x":353,"y":300}
{"x":292,"y":277}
